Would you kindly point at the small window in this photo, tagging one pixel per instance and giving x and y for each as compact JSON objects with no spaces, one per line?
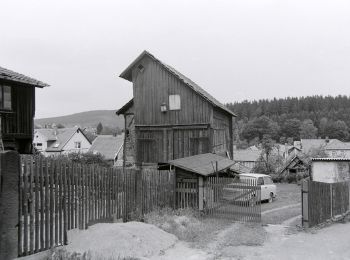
{"x":260,"y":181}
{"x":174,"y":102}
{"x":39,"y":144}
{"x":77,"y":145}
{"x":5,"y":97}
{"x":141,"y":68}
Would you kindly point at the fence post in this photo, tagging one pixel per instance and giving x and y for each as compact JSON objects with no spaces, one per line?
{"x":200,"y":193}
{"x":9,"y":204}
{"x":305,"y":203}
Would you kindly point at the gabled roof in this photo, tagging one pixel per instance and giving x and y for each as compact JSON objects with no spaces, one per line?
{"x":246,"y":155}
{"x":125,"y":108}
{"x":10,"y":75}
{"x":107,"y":145}
{"x":294,"y":159}
{"x":203,"y":164}
{"x":126,"y":74}
{"x":59,"y":138}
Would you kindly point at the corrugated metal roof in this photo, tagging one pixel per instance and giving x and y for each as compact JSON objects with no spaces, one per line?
{"x":17,"y":77}
{"x":330,"y":159}
{"x":107,"y":145}
{"x":126,"y":74}
{"x":203,"y":164}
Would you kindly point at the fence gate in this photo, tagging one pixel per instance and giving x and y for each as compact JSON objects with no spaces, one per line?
{"x":237,"y":200}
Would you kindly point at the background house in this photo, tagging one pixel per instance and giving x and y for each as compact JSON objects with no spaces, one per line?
{"x":110,"y":147}
{"x":248,"y":158}
{"x":61,"y":141}
{"x":170,"y":116}
{"x":17,"y":109}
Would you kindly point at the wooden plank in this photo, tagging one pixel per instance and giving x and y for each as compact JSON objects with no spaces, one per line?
{"x":61,"y":201}
{"x":42,"y":204}
{"x":47,"y":204}
{"x":52,"y":194}
{"x":25,"y":207}
{"x":56,"y":202}
{"x":37,"y":206}
{"x":65,"y":204}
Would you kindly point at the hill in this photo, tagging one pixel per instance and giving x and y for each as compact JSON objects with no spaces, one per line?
{"x":85,"y":119}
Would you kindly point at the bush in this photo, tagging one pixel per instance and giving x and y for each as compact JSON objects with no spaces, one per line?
{"x":276,"y":177}
{"x":185,"y":224}
{"x":291,"y":178}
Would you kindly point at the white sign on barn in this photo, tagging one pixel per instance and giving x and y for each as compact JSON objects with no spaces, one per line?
{"x":330,"y":170}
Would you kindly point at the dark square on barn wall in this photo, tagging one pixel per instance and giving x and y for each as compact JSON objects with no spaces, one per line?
{"x":170,"y":116}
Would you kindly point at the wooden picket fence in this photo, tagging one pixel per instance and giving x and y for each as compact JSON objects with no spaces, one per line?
{"x":323,"y":201}
{"x":58,"y":195}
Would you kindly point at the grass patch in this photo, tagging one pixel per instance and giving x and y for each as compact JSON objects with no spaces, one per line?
{"x":62,"y":254}
{"x":188,"y":225}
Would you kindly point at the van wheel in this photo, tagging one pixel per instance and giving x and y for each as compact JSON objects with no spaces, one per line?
{"x":271,"y":197}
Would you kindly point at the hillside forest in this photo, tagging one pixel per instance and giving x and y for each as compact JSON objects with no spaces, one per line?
{"x":288,"y":119}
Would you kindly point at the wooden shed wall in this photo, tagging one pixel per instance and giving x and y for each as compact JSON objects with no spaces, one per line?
{"x":17,"y":125}
{"x":153,"y":86}
{"x":222,"y":132}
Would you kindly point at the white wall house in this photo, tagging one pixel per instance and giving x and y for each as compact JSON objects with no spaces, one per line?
{"x":330,"y":170}
{"x":60,"y":141}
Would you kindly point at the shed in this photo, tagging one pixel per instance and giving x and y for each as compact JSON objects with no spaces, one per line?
{"x":17,"y":109}
{"x":191,"y":174}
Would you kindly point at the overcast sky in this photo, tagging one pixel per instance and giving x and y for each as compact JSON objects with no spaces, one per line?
{"x":235,"y":49}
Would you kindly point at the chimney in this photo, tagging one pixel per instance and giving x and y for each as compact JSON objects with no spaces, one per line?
{"x":54,"y":127}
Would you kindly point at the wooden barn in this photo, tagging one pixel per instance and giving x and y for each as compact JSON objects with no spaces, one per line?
{"x":170,"y":116}
{"x":17,"y":110}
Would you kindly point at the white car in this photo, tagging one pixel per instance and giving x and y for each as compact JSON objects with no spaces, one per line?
{"x":242,"y":189}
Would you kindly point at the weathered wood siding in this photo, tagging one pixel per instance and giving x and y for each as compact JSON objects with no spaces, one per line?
{"x":152,"y":88}
{"x":222,"y":132}
{"x":164,"y":144}
{"x":17,"y":124}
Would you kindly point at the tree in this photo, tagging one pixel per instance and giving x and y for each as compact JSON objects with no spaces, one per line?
{"x":269,"y":162}
{"x":59,"y":125}
{"x":338,"y":130}
{"x":308,"y":130}
{"x":260,"y":127}
{"x":291,"y":128}
{"x":99,"y":128}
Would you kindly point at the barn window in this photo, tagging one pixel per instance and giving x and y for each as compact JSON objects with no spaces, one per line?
{"x":174,"y":102}
{"x":77,"y":145}
{"x":5,"y":97}
{"x":141,"y":68}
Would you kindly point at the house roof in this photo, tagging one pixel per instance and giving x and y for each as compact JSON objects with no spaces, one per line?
{"x":125,"y":108}
{"x":107,"y":145}
{"x":126,"y":74}
{"x":308,"y":144}
{"x":291,"y":160}
{"x":239,"y":168}
{"x":203,"y":164}
{"x":246,"y":155}
{"x":10,"y":75}
{"x":337,"y":145}
{"x":330,"y":159}
{"x":60,"y":137}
